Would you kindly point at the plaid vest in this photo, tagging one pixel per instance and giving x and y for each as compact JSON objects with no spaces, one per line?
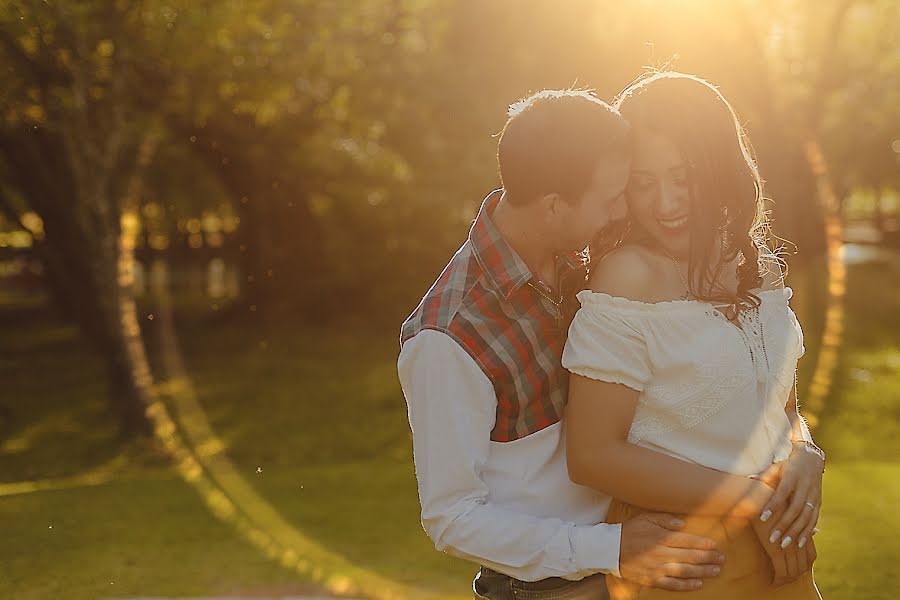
{"x":486,"y":300}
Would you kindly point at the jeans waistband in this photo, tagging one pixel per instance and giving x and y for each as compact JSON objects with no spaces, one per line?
{"x":551,"y":583}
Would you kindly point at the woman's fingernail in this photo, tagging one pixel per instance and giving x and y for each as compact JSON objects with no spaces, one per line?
{"x":774,"y":537}
{"x":786,"y":541}
{"x":677,"y":522}
{"x":816,"y":530}
{"x":765,"y":515}
{"x":802,"y":542}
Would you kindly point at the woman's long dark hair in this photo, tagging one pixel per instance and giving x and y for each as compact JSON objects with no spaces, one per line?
{"x":726,"y":198}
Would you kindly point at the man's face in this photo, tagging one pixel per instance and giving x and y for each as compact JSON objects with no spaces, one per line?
{"x":602,"y":203}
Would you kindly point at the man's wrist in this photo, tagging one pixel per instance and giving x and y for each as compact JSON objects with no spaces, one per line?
{"x":597,"y":548}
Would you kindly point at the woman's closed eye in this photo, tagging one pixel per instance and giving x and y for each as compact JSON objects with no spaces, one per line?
{"x":679,"y":176}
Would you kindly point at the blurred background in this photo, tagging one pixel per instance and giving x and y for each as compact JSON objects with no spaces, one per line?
{"x":214,"y":216}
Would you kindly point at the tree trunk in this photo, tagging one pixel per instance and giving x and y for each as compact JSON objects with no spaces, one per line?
{"x":797,"y":214}
{"x":83,"y":267}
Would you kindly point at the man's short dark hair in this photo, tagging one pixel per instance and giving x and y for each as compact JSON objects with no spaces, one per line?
{"x":553,"y":142}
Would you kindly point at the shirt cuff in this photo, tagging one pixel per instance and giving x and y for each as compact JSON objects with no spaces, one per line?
{"x":597,"y":548}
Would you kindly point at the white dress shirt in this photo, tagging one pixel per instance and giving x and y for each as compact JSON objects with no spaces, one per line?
{"x":507,"y":506}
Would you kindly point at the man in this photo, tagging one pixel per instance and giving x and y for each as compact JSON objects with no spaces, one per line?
{"x":480,"y":369}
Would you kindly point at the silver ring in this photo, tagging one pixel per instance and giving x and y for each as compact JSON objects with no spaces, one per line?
{"x":811,"y":505}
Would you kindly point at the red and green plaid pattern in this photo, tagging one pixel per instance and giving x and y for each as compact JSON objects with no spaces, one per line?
{"x":514,"y":334}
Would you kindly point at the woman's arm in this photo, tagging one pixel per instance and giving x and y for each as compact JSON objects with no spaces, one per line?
{"x":799,"y":428}
{"x":600,"y":456}
{"x":798,"y":480}
{"x":599,"y":416}
{"x":797,"y":500}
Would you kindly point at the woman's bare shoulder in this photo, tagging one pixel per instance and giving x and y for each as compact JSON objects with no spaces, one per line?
{"x":630,"y":271}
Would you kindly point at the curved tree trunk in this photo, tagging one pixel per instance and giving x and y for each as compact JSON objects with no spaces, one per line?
{"x":85,"y":262}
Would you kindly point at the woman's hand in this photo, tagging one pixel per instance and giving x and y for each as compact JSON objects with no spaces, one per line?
{"x":797,"y":498}
{"x":787,"y":563}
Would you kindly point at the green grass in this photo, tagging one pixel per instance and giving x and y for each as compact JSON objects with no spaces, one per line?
{"x":862,"y":418}
{"x":320,"y":411}
{"x":858,"y":546}
{"x":146,"y":535}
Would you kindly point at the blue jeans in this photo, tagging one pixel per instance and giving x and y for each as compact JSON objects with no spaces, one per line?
{"x":491,"y":585}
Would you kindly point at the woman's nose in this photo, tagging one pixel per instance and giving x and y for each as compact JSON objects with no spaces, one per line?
{"x":671,"y":200}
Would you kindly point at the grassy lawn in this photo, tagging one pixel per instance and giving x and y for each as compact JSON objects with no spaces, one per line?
{"x":321,"y":414}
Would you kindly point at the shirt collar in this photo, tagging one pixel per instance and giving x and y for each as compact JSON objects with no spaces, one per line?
{"x":503,"y":266}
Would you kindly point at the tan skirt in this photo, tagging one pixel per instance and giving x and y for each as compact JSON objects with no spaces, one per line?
{"x":746,"y":574}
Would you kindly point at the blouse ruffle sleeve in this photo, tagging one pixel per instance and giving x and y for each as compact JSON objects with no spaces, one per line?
{"x":606,"y":342}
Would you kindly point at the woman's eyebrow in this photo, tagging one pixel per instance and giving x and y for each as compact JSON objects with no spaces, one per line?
{"x":679,"y":166}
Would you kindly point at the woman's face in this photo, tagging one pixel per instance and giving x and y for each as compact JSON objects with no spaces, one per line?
{"x":659,"y":192}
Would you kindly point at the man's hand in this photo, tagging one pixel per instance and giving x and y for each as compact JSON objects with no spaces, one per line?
{"x":655,"y":553}
{"x":797,"y":497}
{"x":787,"y":563}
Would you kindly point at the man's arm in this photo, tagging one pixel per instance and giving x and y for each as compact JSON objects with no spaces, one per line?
{"x":452,"y":410}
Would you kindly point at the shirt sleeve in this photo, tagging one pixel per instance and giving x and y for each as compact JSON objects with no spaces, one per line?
{"x":452,"y":410}
{"x":607,"y":345}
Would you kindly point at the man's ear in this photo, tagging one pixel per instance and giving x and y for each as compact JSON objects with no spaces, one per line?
{"x":550,"y":206}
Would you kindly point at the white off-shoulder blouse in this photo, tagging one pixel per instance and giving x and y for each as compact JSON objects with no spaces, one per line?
{"x":711,"y":393}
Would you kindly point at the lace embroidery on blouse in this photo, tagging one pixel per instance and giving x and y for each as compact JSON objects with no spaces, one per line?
{"x":736,"y":373}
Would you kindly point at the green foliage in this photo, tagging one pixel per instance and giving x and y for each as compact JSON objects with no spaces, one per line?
{"x":374,"y":119}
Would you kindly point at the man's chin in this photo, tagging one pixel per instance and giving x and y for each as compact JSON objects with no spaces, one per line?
{"x":612,"y":231}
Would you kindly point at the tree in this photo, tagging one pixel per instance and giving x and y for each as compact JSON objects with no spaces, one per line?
{"x":74,"y":148}
{"x":95,"y":87}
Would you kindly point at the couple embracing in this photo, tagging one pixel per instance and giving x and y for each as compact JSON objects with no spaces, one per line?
{"x":601,"y":382}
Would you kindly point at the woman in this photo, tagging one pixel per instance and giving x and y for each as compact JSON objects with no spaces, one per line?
{"x":684,"y":350}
